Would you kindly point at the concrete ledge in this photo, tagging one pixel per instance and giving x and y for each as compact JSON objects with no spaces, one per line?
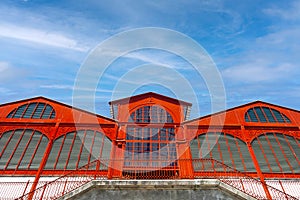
{"x":156,"y":185}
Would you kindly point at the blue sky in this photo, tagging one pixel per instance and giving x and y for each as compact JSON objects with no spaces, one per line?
{"x":255,"y":45}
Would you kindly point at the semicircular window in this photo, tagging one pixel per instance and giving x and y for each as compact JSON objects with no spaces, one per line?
{"x":33,"y":110}
{"x":153,"y":114}
{"x":265,"y":115}
{"x":76,"y":149}
{"x":22,"y":149}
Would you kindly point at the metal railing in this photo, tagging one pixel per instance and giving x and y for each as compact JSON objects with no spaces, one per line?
{"x":65,"y":184}
{"x":202,"y":168}
{"x":11,"y":190}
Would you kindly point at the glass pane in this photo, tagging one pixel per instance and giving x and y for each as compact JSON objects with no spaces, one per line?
{"x":11,"y":146}
{"x":47,"y":112}
{"x":154,"y":114}
{"x":260,"y":114}
{"x":260,"y":156}
{"x":279,"y":152}
{"x":146,"y":134}
{"x":163,"y":135}
{"x":269,"y":114}
{"x":39,"y":153}
{"x":53,"y":114}
{"x":20,"y":148}
{"x":5,"y":137}
{"x":11,"y":114}
{"x":64,"y":154}
{"x":38,"y":111}
{"x":252,"y":115}
{"x":29,"y":110}
{"x":20,"y":111}
{"x":106,"y":150}
{"x":286,"y":118}
{"x":132,"y":117}
{"x":147,"y":114}
{"x":278,"y":116}
{"x":54,"y":153}
{"x":169,"y":118}
{"x":194,"y":149}
{"x":30,"y":151}
{"x":247,"y":117}
{"x":270,"y":153}
{"x":162,"y":115}
{"x":246,"y":156}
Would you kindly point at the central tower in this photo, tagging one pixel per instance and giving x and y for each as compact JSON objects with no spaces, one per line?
{"x":149,"y":135}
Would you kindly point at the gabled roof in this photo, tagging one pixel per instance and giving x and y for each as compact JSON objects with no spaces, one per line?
{"x":55,"y":102}
{"x":147,"y":95}
{"x":254,"y":103}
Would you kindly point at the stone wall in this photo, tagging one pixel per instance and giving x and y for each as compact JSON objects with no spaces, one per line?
{"x":156,"y":190}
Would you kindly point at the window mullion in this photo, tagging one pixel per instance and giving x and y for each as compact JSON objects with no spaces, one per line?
{"x":264,"y":154}
{"x":25,"y":149}
{"x":241,"y":155}
{"x":283,"y":153}
{"x":15,"y":148}
{"x":33,"y":111}
{"x":59,"y":152}
{"x":274,"y":154}
{"x":81,"y":148}
{"x":70,"y":151}
{"x":35,"y":150}
{"x":8,"y":141}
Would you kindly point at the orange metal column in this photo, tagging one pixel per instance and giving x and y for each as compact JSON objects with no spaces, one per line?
{"x":117,"y":158}
{"x":256,"y":164}
{"x":184,"y":155}
{"x":43,"y":162}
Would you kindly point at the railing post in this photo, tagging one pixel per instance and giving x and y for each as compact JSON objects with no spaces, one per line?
{"x":283,"y":189}
{"x":97,"y":169}
{"x":65,"y":185}
{"x":242,"y":184}
{"x":43,"y":162}
{"x":42,"y":195}
{"x":25,"y":187}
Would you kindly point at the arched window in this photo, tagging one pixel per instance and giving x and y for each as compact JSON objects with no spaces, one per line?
{"x":224,"y":148}
{"x":151,"y":114}
{"x":22,"y":149}
{"x":265,"y":114}
{"x":34,"y":110}
{"x":76,"y":149}
{"x":152,"y":147}
{"x":277,"y":153}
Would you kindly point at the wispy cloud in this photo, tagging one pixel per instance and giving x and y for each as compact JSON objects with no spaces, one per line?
{"x":8,"y":72}
{"x":6,"y":91}
{"x":288,"y":13}
{"x":257,"y":72}
{"x":39,"y":36}
{"x":71,"y":87}
{"x":273,"y":56}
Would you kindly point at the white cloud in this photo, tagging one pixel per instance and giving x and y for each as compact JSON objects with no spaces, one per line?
{"x":6,"y":91}
{"x":257,"y":72}
{"x":8,"y":72}
{"x":290,"y":13}
{"x":71,"y":87}
{"x":288,"y":38}
{"x":163,"y":59}
{"x":39,"y":36}
{"x":3,"y":66}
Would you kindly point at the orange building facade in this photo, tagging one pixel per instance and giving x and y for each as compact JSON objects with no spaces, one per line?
{"x":150,"y":137}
